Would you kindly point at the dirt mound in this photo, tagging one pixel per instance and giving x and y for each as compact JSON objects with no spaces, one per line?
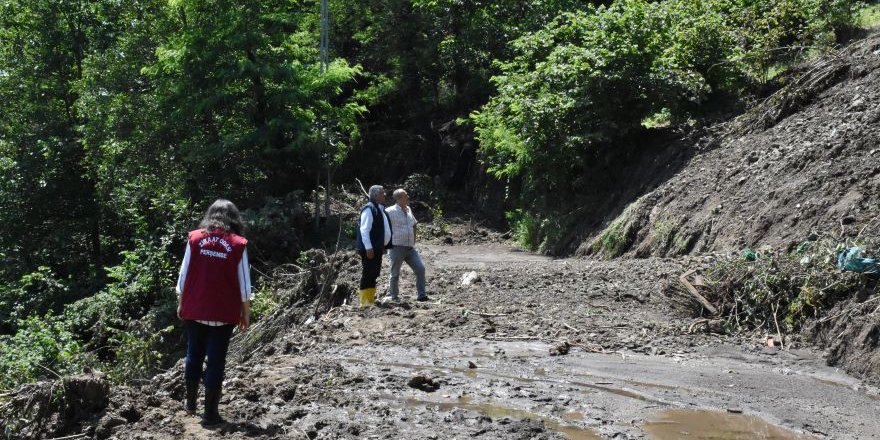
{"x":851,"y":332}
{"x":52,"y":408}
{"x":801,"y":165}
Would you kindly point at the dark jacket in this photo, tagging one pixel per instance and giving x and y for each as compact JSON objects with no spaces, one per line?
{"x":377,"y":233}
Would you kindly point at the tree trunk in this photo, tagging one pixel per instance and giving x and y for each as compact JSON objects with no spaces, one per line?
{"x":318,"y":201}
{"x":327,"y":195}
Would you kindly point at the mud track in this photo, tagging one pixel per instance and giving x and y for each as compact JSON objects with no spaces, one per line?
{"x":535,"y":348}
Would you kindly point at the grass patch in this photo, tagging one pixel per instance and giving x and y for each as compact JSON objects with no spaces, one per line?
{"x":619,"y":236}
{"x":869,"y":16}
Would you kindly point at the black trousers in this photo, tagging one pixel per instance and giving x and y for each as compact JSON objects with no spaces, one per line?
{"x":202,"y":341}
{"x":370,"y":268}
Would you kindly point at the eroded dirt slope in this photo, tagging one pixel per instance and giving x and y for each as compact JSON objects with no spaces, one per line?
{"x":802,"y":165}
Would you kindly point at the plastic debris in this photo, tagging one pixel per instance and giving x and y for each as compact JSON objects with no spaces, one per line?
{"x":851,"y":260}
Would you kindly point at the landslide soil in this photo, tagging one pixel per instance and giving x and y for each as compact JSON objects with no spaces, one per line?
{"x":532,"y":348}
{"x":801,"y":165}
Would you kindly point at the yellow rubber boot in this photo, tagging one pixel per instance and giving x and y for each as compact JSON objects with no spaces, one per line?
{"x":367,"y":297}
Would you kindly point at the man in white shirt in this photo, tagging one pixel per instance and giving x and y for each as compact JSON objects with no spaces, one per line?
{"x":403,"y":242}
{"x":373,"y":237}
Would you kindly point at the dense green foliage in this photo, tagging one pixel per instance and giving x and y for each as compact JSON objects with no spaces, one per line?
{"x":584,"y":84}
{"x":123,"y":119}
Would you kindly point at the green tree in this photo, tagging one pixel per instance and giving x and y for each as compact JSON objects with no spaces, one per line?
{"x":583,"y":84}
{"x":132,"y":160}
{"x":49,"y":209}
{"x":244,"y":97}
{"x":426,"y":62}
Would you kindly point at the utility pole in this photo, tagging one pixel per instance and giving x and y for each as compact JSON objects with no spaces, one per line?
{"x":324,"y":61}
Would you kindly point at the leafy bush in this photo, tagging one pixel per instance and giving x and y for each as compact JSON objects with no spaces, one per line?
{"x":533,"y":232}
{"x":524,"y":227}
{"x":145,"y":275}
{"x":42,"y":346}
{"x":590,"y":78}
{"x":36,"y":293}
{"x":265,"y":302}
{"x":137,"y":353}
{"x":120,"y":329}
{"x":276,"y":229}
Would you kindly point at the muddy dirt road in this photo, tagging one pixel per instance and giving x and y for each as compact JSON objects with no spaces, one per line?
{"x":531,"y":348}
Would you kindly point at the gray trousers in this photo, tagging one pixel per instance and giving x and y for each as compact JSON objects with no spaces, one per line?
{"x":398,"y":255}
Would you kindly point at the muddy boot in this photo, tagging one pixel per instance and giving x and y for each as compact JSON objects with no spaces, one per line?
{"x":192,"y":394}
{"x":212,"y":401}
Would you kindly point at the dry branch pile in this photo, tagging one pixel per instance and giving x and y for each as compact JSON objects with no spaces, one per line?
{"x":326,"y":281}
{"x":772,"y":292}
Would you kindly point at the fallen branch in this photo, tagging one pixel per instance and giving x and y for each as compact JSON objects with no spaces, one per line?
{"x":362,"y":187}
{"x":489,"y":315}
{"x":693,"y":291}
{"x":576,"y":330}
{"x":588,"y":348}
{"x":69,"y":437}
{"x":511,"y":338}
{"x":849,"y":310}
{"x":696,"y":323}
{"x":600,"y":307}
{"x":49,"y":370}
{"x":778,"y":333}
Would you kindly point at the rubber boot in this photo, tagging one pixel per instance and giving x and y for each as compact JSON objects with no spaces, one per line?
{"x":367,"y":296}
{"x":212,"y":401}
{"x":192,"y":395}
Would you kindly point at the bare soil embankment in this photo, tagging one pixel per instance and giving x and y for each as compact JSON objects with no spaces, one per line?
{"x":803,"y":164}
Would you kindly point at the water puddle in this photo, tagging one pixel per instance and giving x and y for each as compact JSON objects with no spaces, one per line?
{"x":652,"y":385}
{"x":496,"y":412}
{"x":602,"y":386}
{"x":701,"y":424}
{"x":572,"y":416}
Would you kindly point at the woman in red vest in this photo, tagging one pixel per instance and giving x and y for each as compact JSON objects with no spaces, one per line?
{"x":214,"y":289}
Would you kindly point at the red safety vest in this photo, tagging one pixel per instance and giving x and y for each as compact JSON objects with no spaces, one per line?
{"x":211,"y":291}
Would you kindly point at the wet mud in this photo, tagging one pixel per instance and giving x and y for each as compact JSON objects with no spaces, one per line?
{"x":483,"y":360}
